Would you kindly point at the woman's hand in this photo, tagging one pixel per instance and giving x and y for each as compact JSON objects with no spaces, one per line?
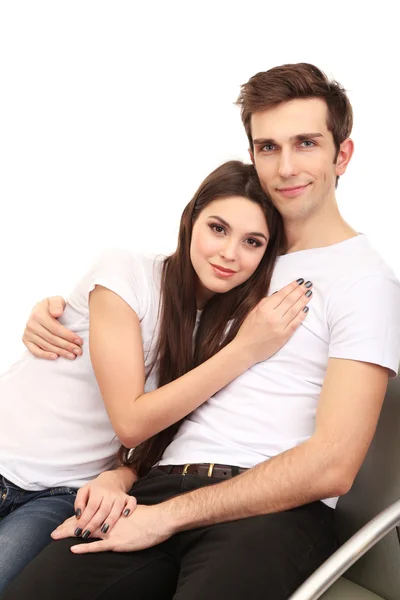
{"x":99,"y":504}
{"x":45,"y":337}
{"x":148,"y":526}
{"x":274,"y":320}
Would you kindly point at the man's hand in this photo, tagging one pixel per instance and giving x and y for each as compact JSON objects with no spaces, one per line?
{"x":147,"y":526}
{"x":45,"y":337}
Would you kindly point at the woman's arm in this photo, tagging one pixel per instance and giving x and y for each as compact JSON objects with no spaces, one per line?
{"x":116,"y":352}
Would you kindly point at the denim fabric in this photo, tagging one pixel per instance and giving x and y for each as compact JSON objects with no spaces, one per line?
{"x":26,"y":521}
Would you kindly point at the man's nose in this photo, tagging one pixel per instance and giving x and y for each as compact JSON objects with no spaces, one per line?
{"x":287,"y":164}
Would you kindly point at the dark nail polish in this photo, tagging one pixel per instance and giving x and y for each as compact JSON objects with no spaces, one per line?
{"x":306,"y":309}
{"x":105,"y":528}
{"x":78,"y":531}
{"x":309,"y":293}
{"x":308,"y":284}
{"x":78,"y":513}
{"x":300,"y":281}
{"x":126,"y":512}
{"x":85,"y":534}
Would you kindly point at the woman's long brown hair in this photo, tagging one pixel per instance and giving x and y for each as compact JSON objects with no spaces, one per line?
{"x":175,"y":352}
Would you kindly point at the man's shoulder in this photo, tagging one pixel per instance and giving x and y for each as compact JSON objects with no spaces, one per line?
{"x":363,"y":287}
{"x":363,"y":262}
{"x":365,"y":255}
{"x":333,"y":268}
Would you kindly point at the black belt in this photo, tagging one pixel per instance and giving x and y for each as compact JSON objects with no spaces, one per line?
{"x":203,"y":470}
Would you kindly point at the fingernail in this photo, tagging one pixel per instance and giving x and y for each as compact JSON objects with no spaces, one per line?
{"x":306,"y":309}
{"x":78,"y":513}
{"x":70,"y":355}
{"x":77,"y":351}
{"x":300,"y":281}
{"x":78,"y":531}
{"x":78,"y":341}
{"x":126,"y":512}
{"x":309,"y":293}
{"x":85,"y":534}
{"x":105,"y":528}
{"x":308,"y":284}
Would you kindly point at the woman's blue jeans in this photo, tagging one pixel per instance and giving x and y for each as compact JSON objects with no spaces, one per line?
{"x":26,"y":521}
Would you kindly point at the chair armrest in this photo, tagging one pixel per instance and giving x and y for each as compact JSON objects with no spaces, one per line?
{"x":348,"y":554}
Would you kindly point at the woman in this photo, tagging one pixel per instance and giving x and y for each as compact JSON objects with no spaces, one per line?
{"x":145,"y":318}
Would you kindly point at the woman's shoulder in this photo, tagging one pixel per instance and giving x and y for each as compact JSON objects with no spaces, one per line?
{"x":141,"y":270}
{"x":125,"y":258}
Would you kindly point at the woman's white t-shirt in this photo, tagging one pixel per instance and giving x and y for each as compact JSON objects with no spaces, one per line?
{"x":54,"y":427}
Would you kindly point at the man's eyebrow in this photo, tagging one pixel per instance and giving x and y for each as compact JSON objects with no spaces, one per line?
{"x":255,"y":233}
{"x":300,"y":137}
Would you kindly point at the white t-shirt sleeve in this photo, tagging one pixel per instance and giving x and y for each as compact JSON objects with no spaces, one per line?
{"x":121,"y":272}
{"x":364,"y":322}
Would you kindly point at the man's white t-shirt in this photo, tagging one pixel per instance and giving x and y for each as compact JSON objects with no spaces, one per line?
{"x":354,"y":314}
{"x":54,"y":427}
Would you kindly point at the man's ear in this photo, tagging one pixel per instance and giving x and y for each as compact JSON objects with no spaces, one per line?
{"x":344,"y":156}
{"x":251,"y":154}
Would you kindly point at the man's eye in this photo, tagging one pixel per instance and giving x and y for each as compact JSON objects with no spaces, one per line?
{"x":267,"y":148}
{"x":307,"y":143}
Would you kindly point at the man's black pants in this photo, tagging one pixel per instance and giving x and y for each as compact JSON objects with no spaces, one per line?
{"x":260,"y":558}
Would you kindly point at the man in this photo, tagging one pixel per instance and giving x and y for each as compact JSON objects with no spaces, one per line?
{"x":295,"y":428}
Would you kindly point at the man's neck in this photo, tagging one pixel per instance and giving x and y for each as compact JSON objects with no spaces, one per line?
{"x":317,"y":231}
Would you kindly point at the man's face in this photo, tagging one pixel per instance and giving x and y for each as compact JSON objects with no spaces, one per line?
{"x":294,"y":156}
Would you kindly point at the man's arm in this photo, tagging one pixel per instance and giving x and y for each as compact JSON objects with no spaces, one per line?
{"x":322,"y":467}
{"x":45,"y":337}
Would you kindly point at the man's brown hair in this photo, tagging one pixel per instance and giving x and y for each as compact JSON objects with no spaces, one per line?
{"x":269,"y":88}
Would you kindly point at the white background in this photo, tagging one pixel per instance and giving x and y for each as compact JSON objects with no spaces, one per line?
{"x":112,"y":112}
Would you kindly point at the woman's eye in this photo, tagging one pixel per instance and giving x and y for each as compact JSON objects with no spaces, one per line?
{"x":253,"y":242}
{"x":217,"y":228}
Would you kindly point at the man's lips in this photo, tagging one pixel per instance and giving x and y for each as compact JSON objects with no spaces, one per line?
{"x":222,"y":270}
{"x":294,"y":190}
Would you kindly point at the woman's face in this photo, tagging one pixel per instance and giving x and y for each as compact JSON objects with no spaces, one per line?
{"x":229,"y":239}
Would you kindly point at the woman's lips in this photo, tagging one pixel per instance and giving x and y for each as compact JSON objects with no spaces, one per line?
{"x":222,"y":272}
